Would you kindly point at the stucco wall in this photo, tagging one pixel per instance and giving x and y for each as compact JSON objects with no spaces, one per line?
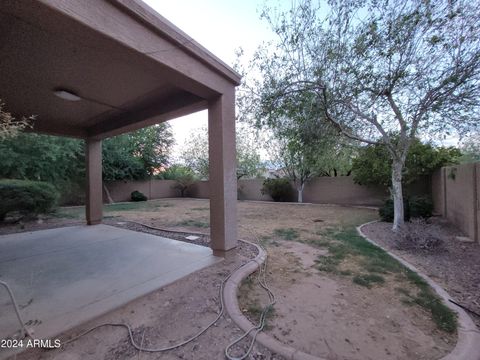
{"x":154,"y":189}
{"x":199,"y":190}
{"x":342,"y":190}
{"x":331,"y":190}
{"x":438,"y":189}
{"x":455,"y":191}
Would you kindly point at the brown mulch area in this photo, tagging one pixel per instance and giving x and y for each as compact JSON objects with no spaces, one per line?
{"x":455,"y":266}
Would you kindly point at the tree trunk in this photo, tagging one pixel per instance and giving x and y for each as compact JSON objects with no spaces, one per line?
{"x":300,"y":192}
{"x":109,"y":197}
{"x":397,"y":193}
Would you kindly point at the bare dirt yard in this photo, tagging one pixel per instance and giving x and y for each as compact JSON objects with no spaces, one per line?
{"x":337,"y":296}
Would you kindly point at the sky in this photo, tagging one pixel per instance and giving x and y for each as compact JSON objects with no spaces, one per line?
{"x":221,"y":26}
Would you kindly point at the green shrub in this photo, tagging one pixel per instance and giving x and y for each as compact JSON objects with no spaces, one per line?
{"x":183,"y":175}
{"x":138,"y":196}
{"x":29,"y":198}
{"x":420,"y":207}
{"x":413,"y":207}
{"x":386,"y":211}
{"x":278,"y":189}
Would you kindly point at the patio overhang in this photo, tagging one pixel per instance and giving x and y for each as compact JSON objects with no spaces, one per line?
{"x":129,"y":68}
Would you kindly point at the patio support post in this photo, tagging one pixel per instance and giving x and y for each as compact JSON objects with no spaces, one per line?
{"x":94,"y":200}
{"x":222,"y":172}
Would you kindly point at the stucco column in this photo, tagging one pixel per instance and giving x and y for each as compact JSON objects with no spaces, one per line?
{"x":94,"y":200}
{"x":222,"y":167}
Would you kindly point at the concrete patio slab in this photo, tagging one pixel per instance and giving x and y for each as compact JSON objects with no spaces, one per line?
{"x":66,"y":276}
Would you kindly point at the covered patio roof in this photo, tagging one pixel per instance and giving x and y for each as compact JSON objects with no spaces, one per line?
{"x":130,"y":66}
{"x":127,"y":67}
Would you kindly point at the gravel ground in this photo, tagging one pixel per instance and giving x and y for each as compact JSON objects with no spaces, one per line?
{"x":455,"y":266}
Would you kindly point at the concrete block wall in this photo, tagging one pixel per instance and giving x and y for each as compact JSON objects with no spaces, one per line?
{"x":324,"y":190}
{"x":455,"y":193}
{"x":342,"y":190}
{"x":153,"y":189}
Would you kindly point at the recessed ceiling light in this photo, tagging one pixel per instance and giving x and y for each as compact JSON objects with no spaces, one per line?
{"x":67,"y":95}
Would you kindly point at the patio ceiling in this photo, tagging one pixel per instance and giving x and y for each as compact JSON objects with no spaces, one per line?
{"x":131,"y":67}
{"x":128,"y":67}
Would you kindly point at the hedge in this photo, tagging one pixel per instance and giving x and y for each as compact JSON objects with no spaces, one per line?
{"x":29,"y":198}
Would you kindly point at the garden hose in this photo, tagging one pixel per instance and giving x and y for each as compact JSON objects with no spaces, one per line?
{"x":26,"y":332}
{"x":140,"y":348}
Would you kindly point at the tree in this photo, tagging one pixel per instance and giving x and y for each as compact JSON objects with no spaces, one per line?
{"x":381,"y":72}
{"x":470,"y":148}
{"x":53,"y":159}
{"x":373,"y":166}
{"x":9,"y":125}
{"x":305,"y":147}
{"x":61,"y":161}
{"x":195,"y":153}
{"x":30,"y":156}
{"x":137,"y":155}
{"x":183,"y":175}
{"x":304,"y":159}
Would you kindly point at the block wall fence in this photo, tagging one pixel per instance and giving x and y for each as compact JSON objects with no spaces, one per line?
{"x":325,"y":190}
{"x":456,"y":196}
{"x":455,"y":191}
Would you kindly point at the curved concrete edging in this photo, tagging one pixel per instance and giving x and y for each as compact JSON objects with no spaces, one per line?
{"x":233,"y":310}
{"x":468,"y":334}
{"x":468,"y":342}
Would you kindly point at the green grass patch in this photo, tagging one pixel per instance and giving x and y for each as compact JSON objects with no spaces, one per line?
{"x":287,"y":233}
{"x":328,"y":264}
{"x":79,"y":212}
{"x":368,"y":280}
{"x":136,"y":206}
{"x":343,"y":243}
{"x":69,"y":213}
{"x":347,"y":242}
{"x":427,"y":299}
{"x":194,"y":223}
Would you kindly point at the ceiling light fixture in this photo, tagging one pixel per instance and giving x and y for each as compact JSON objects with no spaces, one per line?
{"x":66,"y":95}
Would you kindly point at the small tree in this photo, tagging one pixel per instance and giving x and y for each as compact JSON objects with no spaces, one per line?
{"x":373,"y":166}
{"x":183,"y":176}
{"x":195,"y":153}
{"x":470,"y":148}
{"x":137,"y":155}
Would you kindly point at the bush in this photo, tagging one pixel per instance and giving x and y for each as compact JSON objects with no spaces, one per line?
{"x":278,"y":189}
{"x":413,"y":207}
{"x":138,"y":196}
{"x":386,"y":211}
{"x":29,"y":198}
{"x":183,"y":175}
{"x":420,"y":207}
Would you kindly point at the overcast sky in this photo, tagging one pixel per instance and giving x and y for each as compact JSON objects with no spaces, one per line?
{"x":221,"y":26}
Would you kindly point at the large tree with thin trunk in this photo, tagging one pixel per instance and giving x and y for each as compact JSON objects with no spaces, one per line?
{"x":195,"y":153}
{"x":383,"y":72}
